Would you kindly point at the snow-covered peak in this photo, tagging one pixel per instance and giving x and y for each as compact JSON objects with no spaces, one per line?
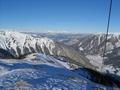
{"x":16,"y":40}
{"x":20,"y":45}
{"x":13,"y":36}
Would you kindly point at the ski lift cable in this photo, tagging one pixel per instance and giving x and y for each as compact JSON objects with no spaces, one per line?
{"x":107,"y":32}
{"x":106,"y":37}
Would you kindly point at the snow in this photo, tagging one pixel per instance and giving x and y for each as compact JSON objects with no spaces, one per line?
{"x":81,"y":49}
{"x":13,"y":39}
{"x":48,"y":42}
{"x":111,"y":69}
{"x":94,"y":44}
{"x":96,"y":60}
{"x":111,"y":35}
{"x":117,"y":44}
{"x":110,"y":46}
{"x":40,"y":71}
{"x":24,"y":75}
{"x":47,"y":59}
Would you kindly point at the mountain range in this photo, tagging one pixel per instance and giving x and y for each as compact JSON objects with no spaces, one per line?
{"x":18,"y":45}
{"x":37,"y":61}
{"x":92,"y":47}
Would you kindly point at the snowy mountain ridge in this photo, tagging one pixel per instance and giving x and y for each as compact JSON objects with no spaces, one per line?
{"x":13,"y":39}
{"x":19,"y":45}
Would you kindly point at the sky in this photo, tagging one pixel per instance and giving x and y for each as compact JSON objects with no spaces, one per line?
{"x":76,"y":16}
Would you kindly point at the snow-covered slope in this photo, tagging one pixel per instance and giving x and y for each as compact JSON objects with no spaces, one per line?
{"x":19,"y":45}
{"x":58,"y":61}
{"x":44,"y":72}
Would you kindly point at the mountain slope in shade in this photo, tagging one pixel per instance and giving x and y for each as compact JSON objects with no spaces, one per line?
{"x":92,"y":45}
{"x":19,"y":45}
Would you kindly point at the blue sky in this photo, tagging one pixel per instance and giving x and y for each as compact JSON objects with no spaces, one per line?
{"x":59,"y":15}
